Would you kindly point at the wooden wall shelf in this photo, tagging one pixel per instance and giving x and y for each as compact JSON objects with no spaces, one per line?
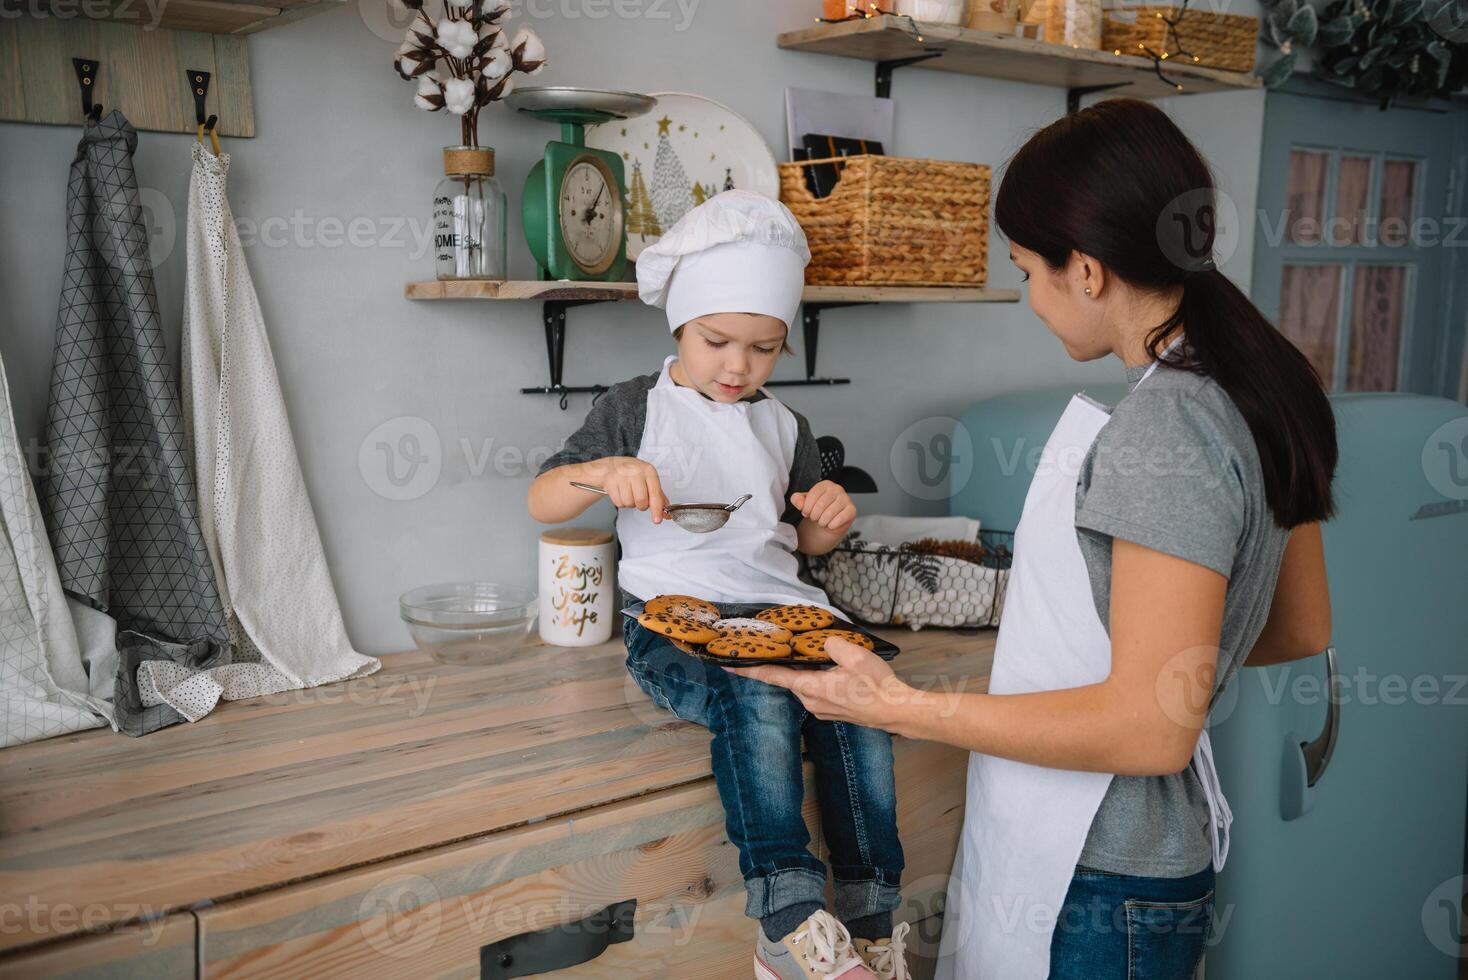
{"x":889,"y":39}
{"x":615,"y":291}
{"x":556,"y":297}
{"x":203,"y":16}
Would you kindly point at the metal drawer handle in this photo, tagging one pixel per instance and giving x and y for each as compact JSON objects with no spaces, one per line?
{"x":559,"y":947}
{"x":1317,"y":753}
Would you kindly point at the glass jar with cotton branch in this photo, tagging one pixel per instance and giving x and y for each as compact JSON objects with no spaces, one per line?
{"x":463,"y":60}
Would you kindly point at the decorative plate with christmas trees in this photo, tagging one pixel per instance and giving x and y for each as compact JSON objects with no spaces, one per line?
{"x":676,"y":157}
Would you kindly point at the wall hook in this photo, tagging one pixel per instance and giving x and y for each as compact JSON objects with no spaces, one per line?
{"x":199,"y":85}
{"x":86,"y":77}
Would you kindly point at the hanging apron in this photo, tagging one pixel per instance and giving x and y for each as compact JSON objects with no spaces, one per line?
{"x":254,"y":514}
{"x":1025,"y":826}
{"x":709,"y":452}
{"x":118,"y":494}
{"x":44,"y":686}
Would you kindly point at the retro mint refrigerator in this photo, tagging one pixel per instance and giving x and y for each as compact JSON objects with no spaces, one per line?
{"x":1359,"y":875}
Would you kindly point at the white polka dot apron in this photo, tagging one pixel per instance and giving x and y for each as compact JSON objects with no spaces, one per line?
{"x":256,"y":517}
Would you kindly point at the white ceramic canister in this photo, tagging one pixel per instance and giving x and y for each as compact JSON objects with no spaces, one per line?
{"x":577,"y":591}
{"x":934,"y":11}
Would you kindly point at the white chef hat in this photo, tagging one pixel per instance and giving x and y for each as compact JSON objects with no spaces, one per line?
{"x":738,"y":252}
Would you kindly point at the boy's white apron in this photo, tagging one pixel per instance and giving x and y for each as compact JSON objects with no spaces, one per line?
{"x":1025,"y":826}
{"x":711,"y":452}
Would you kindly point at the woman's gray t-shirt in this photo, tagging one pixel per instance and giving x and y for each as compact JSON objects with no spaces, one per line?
{"x":1175,"y":470}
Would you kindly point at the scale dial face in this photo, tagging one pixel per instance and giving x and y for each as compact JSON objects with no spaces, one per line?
{"x":591,"y":214}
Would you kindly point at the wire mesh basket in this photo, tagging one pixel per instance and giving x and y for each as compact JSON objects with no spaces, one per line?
{"x":911,"y":585}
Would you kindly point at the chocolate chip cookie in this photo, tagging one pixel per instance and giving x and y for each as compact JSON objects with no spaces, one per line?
{"x":812,"y":644}
{"x":797,"y":619}
{"x":753,"y":629}
{"x":747,"y":648}
{"x":684,"y":607}
{"x":677,"y":627}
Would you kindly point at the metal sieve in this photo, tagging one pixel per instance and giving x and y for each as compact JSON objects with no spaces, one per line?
{"x":697,"y":518}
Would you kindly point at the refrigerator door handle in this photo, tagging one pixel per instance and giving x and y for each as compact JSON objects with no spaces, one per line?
{"x":1317,"y":753}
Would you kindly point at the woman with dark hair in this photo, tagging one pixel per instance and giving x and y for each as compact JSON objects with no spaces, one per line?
{"x":1164,"y":544}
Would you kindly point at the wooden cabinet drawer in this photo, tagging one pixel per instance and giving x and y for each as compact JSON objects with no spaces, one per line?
{"x":429,"y":915}
{"x":160,"y":950}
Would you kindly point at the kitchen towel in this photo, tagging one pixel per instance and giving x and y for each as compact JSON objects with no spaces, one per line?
{"x":44,"y":687}
{"x":117,"y":494}
{"x":255,"y":514}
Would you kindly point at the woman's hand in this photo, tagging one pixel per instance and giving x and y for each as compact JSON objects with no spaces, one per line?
{"x":861,"y":688}
{"x":631,"y":483}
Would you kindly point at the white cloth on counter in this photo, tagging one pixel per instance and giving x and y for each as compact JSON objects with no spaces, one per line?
{"x":255,"y":515}
{"x":45,"y":688}
{"x":894,"y":531}
{"x":738,"y":252}
{"x":194,"y":693}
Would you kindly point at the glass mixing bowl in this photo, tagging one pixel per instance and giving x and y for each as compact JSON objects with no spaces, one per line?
{"x":470,"y":622}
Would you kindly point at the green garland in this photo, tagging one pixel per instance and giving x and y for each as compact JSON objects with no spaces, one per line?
{"x":1383,"y":49}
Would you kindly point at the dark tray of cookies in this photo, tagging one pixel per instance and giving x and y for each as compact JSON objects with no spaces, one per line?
{"x":881,"y":647}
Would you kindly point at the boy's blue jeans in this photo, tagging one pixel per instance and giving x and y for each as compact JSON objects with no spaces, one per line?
{"x":757,"y":766}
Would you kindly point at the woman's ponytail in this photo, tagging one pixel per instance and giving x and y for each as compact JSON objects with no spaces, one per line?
{"x":1088,"y":183}
{"x":1274,"y":386}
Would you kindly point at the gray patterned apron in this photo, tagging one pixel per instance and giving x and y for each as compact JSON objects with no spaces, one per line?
{"x":117,"y":491}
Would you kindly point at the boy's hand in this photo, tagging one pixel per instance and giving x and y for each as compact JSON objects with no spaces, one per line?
{"x":630,"y":482}
{"x":826,"y":504}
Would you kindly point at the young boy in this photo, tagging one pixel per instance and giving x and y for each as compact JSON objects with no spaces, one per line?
{"x":730,"y":275}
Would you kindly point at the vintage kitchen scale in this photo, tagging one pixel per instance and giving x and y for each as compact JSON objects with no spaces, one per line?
{"x":573,"y":209}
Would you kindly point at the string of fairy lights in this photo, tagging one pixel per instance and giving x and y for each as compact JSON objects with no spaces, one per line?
{"x":1171,"y":51}
{"x":1174,"y":41}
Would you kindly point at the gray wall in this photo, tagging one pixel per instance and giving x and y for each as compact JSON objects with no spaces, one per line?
{"x":339,"y":140}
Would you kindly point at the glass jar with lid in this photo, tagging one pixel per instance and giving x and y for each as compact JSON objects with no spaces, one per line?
{"x":1073,"y":23}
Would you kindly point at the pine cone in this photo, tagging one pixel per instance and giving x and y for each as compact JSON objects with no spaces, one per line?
{"x":962,"y":550}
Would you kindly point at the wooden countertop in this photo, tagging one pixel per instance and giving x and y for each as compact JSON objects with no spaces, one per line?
{"x":97,"y":828}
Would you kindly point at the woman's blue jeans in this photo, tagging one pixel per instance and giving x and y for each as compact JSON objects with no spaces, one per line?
{"x":757,"y":731}
{"x":1123,"y":927}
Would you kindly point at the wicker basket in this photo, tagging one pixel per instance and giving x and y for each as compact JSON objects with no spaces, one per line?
{"x":1223,"y":41}
{"x":894,"y":221}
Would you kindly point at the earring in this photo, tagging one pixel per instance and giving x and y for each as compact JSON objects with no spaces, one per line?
{"x":1088,"y":290}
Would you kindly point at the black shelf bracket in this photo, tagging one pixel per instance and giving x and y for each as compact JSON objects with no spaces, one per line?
{"x":553,"y":312}
{"x":810,"y":321}
{"x":886,"y":68}
{"x":1073,"y":95}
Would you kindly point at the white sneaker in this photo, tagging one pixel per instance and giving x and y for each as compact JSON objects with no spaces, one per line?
{"x":886,"y":958}
{"x":818,"y":947}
